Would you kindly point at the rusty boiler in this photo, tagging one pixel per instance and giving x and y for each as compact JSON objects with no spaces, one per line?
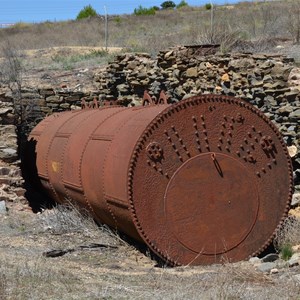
{"x":203,"y":180}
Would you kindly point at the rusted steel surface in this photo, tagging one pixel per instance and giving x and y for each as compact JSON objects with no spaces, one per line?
{"x":148,"y":100}
{"x":206,"y":179}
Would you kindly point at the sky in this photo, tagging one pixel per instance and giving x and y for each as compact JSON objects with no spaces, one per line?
{"x":35,"y":11}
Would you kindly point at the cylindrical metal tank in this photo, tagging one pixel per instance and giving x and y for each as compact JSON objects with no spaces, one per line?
{"x":206,"y":179}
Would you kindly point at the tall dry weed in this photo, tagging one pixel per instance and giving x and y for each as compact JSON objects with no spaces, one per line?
{"x":253,"y":21}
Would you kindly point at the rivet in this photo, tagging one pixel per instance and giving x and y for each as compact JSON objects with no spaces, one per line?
{"x":258,"y":174}
{"x":238,"y":153}
{"x":202,"y":117}
{"x":263,"y":169}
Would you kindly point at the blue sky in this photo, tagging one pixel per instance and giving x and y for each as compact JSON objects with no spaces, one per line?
{"x":12,"y":11}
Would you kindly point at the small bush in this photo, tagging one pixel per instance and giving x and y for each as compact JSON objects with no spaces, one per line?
{"x":21,"y":25}
{"x":207,"y":6}
{"x":143,"y":11}
{"x":181,"y":4}
{"x":117,"y":20}
{"x":86,"y":12}
{"x":286,"y":252}
{"x":287,"y":236}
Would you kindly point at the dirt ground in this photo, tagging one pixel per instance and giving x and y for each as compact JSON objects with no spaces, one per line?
{"x":61,"y":254}
{"x":55,"y":67}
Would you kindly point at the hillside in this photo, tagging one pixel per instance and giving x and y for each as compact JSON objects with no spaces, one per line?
{"x":248,"y":26}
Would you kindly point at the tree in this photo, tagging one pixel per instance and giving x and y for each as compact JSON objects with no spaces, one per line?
{"x":181,"y":4}
{"x":86,"y":12}
{"x":208,"y":6}
{"x":168,"y":4}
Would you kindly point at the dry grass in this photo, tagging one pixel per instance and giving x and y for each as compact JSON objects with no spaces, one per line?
{"x":288,"y":235}
{"x":112,"y":273}
{"x":246,"y":21}
{"x":254,"y":27}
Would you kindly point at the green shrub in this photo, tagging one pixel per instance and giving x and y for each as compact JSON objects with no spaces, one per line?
{"x":286,"y":252}
{"x":20,"y":25}
{"x":117,"y":20}
{"x":168,"y":4}
{"x":143,"y":11}
{"x":207,"y":6}
{"x":86,"y":12}
{"x":181,"y":4}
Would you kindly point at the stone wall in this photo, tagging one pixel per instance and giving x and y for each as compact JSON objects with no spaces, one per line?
{"x":270,"y":82}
